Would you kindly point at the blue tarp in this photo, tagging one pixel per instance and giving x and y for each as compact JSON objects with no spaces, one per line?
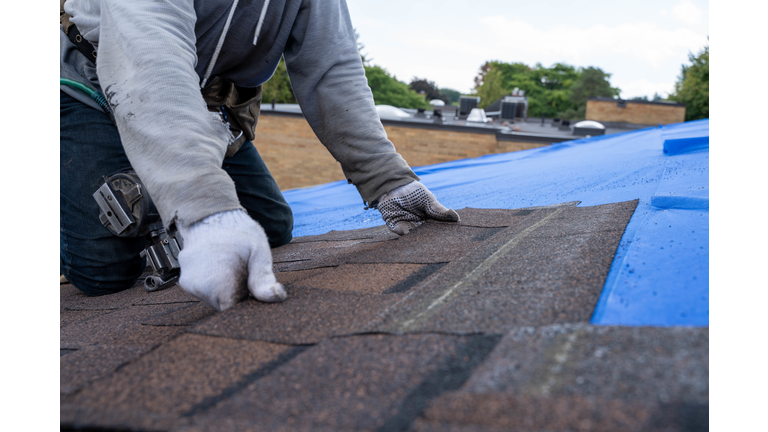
{"x":660,"y":274}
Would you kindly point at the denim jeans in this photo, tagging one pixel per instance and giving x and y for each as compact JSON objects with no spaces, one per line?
{"x":98,"y":262}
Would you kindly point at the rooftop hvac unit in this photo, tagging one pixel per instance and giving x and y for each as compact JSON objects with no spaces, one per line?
{"x":508,"y":110}
{"x":466,"y":104}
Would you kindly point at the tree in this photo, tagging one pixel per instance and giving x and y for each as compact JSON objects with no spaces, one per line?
{"x":389,"y":91}
{"x":278,"y":88}
{"x":429,"y":88}
{"x":492,"y":88}
{"x":360,"y":47}
{"x":453,"y":95}
{"x":692,"y":86}
{"x":546,"y":88}
{"x":592,"y":82}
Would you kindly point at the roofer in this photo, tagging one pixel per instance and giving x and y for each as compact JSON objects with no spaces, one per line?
{"x":182,"y":80}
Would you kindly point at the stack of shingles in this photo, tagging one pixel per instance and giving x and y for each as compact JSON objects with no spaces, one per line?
{"x":481,"y":325}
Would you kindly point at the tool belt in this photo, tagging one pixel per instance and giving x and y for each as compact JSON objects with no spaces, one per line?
{"x":74,"y":35}
{"x":238,"y":106}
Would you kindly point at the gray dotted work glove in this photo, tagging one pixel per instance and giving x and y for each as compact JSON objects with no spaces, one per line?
{"x":408,"y":206}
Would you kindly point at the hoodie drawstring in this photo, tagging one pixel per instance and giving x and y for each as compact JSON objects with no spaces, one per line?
{"x":224,"y":34}
{"x":218,"y":45}
{"x":261,"y":21}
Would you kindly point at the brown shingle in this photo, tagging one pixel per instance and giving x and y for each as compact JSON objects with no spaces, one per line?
{"x":308,"y":316}
{"x":583,"y":377}
{"x":123,"y":327}
{"x":432,"y":242}
{"x":87,"y":364}
{"x":519,"y":277}
{"x":354,"y":383}
{"x":364,"y":278}
{"x":374,"y":234}
{"x":445,"y":294}
{"x":161,"y":386}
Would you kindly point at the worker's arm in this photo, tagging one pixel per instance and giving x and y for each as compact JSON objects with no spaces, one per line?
{"x":329,"y":82}
{"x":146,"y":68}
{"x":146,"y":60}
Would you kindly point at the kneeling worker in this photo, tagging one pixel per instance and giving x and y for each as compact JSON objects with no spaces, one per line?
{"x":182,"y":81}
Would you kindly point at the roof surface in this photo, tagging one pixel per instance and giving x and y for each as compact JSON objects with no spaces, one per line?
{"x":503,"y":321}
{"x":480,"y":325}
{"x":660,"y":275}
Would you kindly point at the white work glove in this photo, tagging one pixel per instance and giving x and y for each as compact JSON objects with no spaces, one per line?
{"x":408,"y":206}
{"x":225,"y":256}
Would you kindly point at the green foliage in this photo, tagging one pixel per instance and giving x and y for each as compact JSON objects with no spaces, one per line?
{"x":592,"y":82}
{"x":558,"y":91}
{"x":429,"y":88}
{"x":453,"y":95}
{"x":692,"y":86}
{"x":278,"y":87}
{"x":387,"y":90}
{"x":492,"y":88}
{"x":656,"y":98}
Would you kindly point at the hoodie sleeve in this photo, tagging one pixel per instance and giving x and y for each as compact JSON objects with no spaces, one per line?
{"x":146,"y":66}
{"x":329,"y":82}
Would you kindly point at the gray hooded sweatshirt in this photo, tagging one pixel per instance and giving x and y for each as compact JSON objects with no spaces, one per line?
{"x":153,"y":57}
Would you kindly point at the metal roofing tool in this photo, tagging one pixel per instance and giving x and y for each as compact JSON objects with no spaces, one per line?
{"x":126,"y":210}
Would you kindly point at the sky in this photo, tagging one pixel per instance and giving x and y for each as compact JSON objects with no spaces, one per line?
{"x":643,"y":44}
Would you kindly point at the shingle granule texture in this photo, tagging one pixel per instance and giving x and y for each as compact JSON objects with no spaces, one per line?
{"x":582,"y":377}
{"x":169,"y":382}
{"x":549,"y":268}
{"x":366,"y":278}
{"x":356,"y":383}
{"x":481,"y":325}
{"x":308,"y":316}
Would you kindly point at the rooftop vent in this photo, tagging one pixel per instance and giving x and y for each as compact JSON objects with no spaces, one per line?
{"x":588,"y":128}
{"x":467,"y":104}
{"x":436,"y":102}
{"x":477,"y":115}
{"x":508,"y":110}
{"x":390,"y":112}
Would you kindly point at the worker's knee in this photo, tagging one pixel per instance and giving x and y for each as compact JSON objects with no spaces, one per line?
{"x":99,"y":266}
{"x":99,"y":284}
{"x":280,"y":231}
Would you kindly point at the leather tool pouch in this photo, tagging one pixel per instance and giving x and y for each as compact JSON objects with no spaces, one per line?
{"x":240,"y":107}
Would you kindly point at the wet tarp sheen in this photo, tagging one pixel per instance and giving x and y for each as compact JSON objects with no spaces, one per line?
{"x":660,"y":274}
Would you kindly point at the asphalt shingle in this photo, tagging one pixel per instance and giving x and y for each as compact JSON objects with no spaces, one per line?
{"x":182,"y":377}
{"x":535,"y":273}
{"x":123,"y":327}
{"x":365,"y":278}
{"x":476,"y":326}
{"x":432,"y":242}
{"x":374,"y":234}
{"x":357,"y":383}
{"x":308,"y":316}
{"x":584,"y":377}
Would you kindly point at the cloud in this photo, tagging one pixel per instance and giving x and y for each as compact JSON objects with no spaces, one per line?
{"x":642,"y":41}
{"x":687,"y":12}
{"x":642,"y":87}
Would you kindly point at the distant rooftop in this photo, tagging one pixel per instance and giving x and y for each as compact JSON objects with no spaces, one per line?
{"x":549,"y":130}
{"x":604,"y":99}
